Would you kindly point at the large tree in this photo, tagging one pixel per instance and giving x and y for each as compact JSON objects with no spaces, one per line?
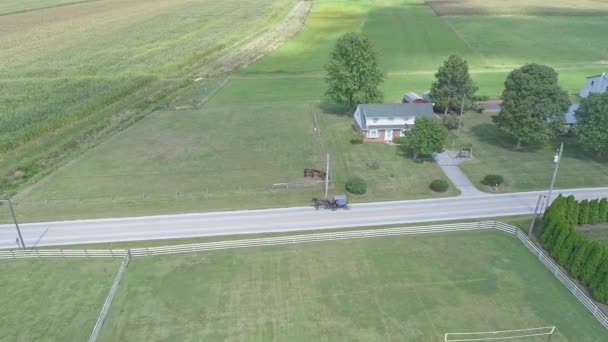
{"x":591,"y":126}
{"x":353,"y":72}
{"x":427,"y":136}
{"x":533,"y":105}
{"x":452,"y":82}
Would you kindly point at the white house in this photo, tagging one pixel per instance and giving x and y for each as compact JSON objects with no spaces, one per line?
{"x":595,"y":84}
{"x":383,"y":122}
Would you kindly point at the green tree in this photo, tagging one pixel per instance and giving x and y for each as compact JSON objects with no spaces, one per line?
{"x":533,"y":105}
{"x":427,"y":136}
{"x":594,"y":207}
{"x":572,"y":210}
{"x":602,"y":272}
{"x":353,"y":72}
{"x":596,"y":255}
{"x":583,"y":212}
{"x":603,"y":211}
{"x":578,"y":258}
{"x":563,"y":231}
{"x":591,"y":128}
{"x":563,"y":255}
{"x":452,"y":82}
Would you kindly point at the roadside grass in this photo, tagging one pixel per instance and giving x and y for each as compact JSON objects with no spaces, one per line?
{"x":411,"y":288}
{"x":52,"y":300}
{"x":527,"y":169}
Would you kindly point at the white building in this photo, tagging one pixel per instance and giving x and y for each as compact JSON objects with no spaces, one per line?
{"x":595,"y":84}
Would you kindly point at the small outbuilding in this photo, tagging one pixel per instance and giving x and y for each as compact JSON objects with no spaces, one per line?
{"x":383,"y":122}
{"x":412,"y":97}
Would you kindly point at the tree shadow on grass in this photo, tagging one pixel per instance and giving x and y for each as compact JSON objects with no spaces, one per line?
{"x":330,"y":107}
{"x":406,"y":152}
{"x":490,"y":134}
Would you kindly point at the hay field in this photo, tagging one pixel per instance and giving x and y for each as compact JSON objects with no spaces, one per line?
{"x":520,"y":7}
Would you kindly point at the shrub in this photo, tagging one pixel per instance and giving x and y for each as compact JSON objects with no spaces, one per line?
{"x":559,"y":238}
{"x":480,"y":109}
{"x":450,"y":121}
{"x":439,"y":185}
{"x":373,"y":164}
{"x":493,"y":180}
{"x":564,"y":254}
{"x":594,"y":207}
{"x":577,"y":260}
{"x":572,"y":210}
{"x":357,"y":138}
{"x":356,"y":185}
{"x":603,"y":211}
{"x":583,"y":212}
{"x":400,"y":140}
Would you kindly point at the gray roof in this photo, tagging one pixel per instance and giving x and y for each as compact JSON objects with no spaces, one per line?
{"x":602,"y":74}
{"x":394,"y":110}
{"x":570,"y":114}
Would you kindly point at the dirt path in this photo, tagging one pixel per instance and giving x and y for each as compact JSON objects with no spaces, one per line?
{"x":257,"y":45}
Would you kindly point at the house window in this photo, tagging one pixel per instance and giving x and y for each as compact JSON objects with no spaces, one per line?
{"x":401,"y":133}
{"x":372,"y":134}
{"x":592,"y":83}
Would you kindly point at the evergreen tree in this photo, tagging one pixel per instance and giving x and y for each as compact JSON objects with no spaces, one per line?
{"x":602,"y":272}
{"x":560,"y":237}
{"x":603,"y":211}
{"x":583,"y":212}
{"x":452,"y":81}
{"x":572,"y":212}
{"x":593,"y":261}
{"x":578,"y":258}
{"x":564,"y":254}
{"x":593,"y":211}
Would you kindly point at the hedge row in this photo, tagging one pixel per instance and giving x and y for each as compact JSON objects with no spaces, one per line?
{"x":586,"y":260}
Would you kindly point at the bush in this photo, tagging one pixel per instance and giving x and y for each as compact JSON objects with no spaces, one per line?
{"x":439,"y":185}
{"x":357,"y":138}
{"x":356,"y":185}
{"x":400,"y":140}
{"x":578,"y":258}
{"x":572,"y":210}
{"x":493,"y":180}
{"x":590,"y":268}
{"x":450,"y":121}
{"x":480,"y":109}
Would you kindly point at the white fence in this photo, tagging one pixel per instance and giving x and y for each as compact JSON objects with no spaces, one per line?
{"x":306,"y":238}
{"x":106,"y":304}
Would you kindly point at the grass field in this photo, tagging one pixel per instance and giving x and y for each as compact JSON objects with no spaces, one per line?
{"x":127,"y":175}
{"x":412,"y":288}
{"x":528,"y":169}
{"x":519,"y":7}
{"x":598,"y":234}
{"x":52,"y":300}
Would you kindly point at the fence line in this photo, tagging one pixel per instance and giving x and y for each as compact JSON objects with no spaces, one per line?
{"x":307,"y":238}
{"x":562,"y":277}
{"x":106,"y":304}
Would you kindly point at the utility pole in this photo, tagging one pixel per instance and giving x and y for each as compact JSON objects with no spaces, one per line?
{"x":556,"y":159}
{"x":540,"y":197}
{"x":327,"y":176}
{"x":10,"y":206}
{"x":461,"y":112}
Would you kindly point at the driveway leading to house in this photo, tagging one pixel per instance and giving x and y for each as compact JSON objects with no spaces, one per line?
{"x":449,"y":164}
{"x":280,"y":220}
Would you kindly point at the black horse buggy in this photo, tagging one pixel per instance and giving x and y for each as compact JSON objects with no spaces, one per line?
{"x":338,"y":201}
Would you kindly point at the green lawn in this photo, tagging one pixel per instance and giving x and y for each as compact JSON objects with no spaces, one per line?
{"x":52,"y":300}
{"x":408,"y":288}
{"x":599,"y":235}
{"x":8,"y":7}
{"x":527,"y":169}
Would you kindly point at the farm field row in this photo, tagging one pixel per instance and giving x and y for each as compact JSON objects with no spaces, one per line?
{"x":413,"y":288}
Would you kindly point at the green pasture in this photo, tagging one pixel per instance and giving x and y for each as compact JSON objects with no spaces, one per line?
{"x":528,"y":169}
{"x":52,"y":300}
{"x":599,"y":234}
{"x":9,"y":7}
{"x":410,"y":288}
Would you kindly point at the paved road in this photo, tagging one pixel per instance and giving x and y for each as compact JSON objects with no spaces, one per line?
{"x":276,"y":220}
